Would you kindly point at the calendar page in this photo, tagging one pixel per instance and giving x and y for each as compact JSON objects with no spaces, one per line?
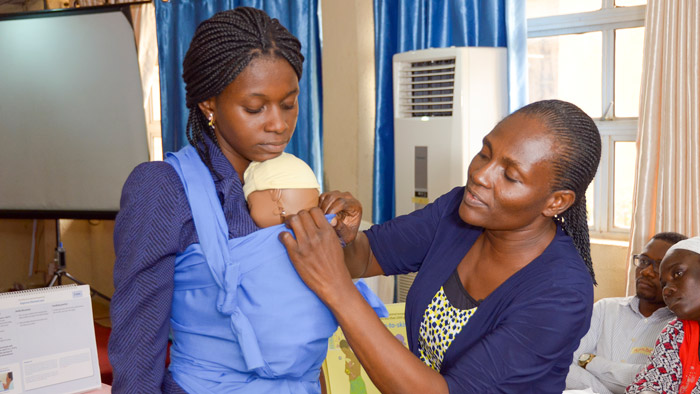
{"x":47,"y":341}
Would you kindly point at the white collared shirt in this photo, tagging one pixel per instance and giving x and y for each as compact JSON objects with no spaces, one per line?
{"x":622,"y":339}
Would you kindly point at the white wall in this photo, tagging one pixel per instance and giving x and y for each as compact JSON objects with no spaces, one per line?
{"x":348,"y":98}
{"x":610,"y":266}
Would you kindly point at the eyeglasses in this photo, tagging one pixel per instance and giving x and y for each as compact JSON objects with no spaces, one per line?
{"x":643,"y":261}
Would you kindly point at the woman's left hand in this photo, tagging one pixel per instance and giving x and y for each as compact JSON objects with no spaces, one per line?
{"x":316,"y":253}
{"x":348,"y":211}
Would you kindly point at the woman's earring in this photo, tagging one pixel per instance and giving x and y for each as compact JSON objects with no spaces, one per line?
{"x":211,"y":120}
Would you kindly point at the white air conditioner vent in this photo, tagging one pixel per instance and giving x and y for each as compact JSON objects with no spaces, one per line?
{"x":427,"y":88}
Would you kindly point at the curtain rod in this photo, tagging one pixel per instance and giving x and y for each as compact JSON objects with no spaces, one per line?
{"x":78,"y":10}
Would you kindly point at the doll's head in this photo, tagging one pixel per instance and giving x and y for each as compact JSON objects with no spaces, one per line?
{"x":279,"y":187}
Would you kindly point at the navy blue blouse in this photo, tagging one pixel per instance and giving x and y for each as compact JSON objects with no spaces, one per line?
{"x":523,"y":335}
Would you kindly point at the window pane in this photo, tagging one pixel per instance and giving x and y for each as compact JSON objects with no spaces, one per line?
{"x":538,"y":8}
{"x":629,"y":48}
{"x":627,"y":3}
{"x":590,"y":203}
{"x":625,"y":162}
{"x":567,"y":67}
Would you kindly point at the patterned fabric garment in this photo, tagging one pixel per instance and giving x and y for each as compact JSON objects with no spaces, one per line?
{"x":664,"y":372}
{"x":441,"y":324}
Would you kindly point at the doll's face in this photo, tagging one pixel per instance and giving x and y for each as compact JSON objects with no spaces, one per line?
{"x":270,"y":207}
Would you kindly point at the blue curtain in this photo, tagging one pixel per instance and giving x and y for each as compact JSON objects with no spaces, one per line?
{"x":404,"y":25}
{"x":176,"y":21}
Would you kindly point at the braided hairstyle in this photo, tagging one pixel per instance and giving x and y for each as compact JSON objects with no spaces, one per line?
{"x":222,"y":47}
{"x":575,"y":164}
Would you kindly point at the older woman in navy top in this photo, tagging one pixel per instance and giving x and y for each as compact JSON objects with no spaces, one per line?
{"x":504,"y":290}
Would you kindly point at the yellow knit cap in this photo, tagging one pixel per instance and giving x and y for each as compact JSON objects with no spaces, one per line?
{"x":285,"y":171}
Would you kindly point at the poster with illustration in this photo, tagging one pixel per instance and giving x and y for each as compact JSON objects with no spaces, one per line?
{"x":343,"y":372}
{"x":47,"y":341}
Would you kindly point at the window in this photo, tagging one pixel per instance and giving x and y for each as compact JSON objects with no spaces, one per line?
{"x":589,"y":52}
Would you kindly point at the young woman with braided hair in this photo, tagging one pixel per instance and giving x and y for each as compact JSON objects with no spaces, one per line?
{"x":504,"y":289}
{"x":178,"y":269}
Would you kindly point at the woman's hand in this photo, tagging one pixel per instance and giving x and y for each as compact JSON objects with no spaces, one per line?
{"x":316,"y":253}
{"x":348,"y":212}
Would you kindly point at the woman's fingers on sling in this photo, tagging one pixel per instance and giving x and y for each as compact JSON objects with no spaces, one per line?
{"x":348,"y":211}
{"x":325,"y":200}
{"x":307,"y":228}
{"x":340,"y":203}
{"x":288,"y":241}
{"x":297,"y":224}
{"x":316,"y":227}
{"x":319,"y":218}
{"x":316,"y":253}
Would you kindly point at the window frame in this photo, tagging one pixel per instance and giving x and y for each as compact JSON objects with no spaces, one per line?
{"x":612,"y":129}
{"x":623,"y":130}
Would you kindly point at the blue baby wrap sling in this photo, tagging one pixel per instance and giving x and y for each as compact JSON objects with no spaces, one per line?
{"x":267,"y":332}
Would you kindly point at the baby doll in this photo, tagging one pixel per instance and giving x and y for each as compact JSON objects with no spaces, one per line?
{"x":279,"y":187}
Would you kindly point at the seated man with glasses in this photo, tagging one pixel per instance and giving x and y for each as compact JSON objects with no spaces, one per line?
{"x":624,"y":329}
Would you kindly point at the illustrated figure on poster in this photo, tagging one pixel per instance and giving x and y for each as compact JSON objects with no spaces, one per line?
{"x":353,"y":369}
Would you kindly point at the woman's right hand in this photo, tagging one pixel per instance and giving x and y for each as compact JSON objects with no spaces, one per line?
{"x":348,"y":211}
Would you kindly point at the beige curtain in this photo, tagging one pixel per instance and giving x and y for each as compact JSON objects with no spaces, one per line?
{"x":667,"y":188}
{"x":144,"y":22}
{"x":144,"y":19}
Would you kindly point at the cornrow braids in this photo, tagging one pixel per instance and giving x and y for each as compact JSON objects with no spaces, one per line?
{"x":222,"y":47}
{"x":575,"y":164}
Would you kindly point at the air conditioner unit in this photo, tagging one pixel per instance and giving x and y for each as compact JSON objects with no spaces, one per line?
{"x":445,"y":101}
